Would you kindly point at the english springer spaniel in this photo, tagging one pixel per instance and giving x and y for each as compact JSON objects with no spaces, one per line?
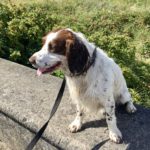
{"x":95,"y":81}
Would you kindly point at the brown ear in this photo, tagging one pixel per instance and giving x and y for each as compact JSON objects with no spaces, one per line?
{"x":77,"y":55}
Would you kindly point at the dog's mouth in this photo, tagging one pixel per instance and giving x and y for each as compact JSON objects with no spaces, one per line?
{"x":48,"y":70}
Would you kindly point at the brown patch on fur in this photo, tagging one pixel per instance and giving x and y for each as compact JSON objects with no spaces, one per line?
{"x":61,"y":44}
{"x":45,"y":36}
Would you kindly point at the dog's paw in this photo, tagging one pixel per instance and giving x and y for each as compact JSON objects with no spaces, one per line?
{"x":130,"y":108}
{"x":75,"y":126}
{"x":115,"y":137}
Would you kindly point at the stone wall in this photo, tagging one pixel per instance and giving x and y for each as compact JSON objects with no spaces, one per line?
{"x":25,"y":103}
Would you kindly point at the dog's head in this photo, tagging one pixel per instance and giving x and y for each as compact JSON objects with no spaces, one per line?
{"x":61,"y":49}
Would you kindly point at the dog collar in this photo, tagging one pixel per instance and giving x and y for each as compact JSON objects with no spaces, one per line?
{"x":90,"y":62}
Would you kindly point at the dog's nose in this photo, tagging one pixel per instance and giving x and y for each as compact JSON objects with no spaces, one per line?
{"x":32,"y":60}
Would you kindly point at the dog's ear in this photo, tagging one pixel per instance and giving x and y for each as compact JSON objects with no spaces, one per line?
{"x":77,"y":55}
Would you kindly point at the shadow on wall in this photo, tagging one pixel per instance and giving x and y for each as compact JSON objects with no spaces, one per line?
{"x":135,"y":128}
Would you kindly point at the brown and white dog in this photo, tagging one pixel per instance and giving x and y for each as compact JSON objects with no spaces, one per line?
{"x":95,"y":81}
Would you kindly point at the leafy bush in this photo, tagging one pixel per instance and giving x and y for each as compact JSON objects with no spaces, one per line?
{"x":4,"y":18}
{"x":122,"y":33}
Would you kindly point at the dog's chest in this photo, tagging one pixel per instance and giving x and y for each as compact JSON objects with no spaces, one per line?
{"x":77,"y":88}
{"x":81,"y":92}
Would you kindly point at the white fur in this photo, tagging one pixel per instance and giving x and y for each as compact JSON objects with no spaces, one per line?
{"x":101,"y":87}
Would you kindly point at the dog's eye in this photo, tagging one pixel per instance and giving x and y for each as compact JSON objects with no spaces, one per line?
{"x":51,"y":47}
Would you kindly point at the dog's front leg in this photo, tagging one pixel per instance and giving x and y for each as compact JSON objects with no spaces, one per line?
{"x":77,"y":123}
{"x":114,"y":133}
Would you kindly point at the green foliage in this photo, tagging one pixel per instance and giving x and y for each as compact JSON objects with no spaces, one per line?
{"x":4,"y":18}
{"x":117,"y":27}
{"x":23,"y":31}
{"x":58,"y":74}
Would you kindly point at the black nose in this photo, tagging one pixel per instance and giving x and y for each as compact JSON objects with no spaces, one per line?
{"x":32,"y":60}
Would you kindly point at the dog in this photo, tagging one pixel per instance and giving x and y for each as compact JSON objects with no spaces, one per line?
{"x":94,"y":80}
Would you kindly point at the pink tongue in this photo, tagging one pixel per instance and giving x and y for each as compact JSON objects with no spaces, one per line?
{"x":39,"y":71}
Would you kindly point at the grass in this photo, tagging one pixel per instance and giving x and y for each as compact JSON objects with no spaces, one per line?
{"x":121,"y":28}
